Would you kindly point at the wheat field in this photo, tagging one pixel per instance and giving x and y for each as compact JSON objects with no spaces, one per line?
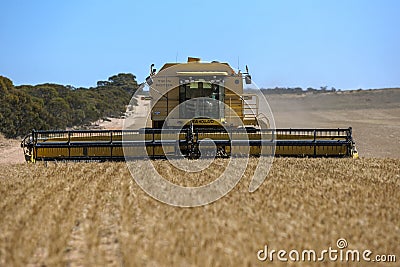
{"x":94,"y":214}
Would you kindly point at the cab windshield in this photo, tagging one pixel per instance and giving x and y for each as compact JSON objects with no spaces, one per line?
{"x":201,"y":99}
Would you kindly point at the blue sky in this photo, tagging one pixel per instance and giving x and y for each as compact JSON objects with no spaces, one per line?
{"x":347,"y":44}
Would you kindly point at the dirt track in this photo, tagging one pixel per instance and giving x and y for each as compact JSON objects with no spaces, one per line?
{"x":10,"y":151}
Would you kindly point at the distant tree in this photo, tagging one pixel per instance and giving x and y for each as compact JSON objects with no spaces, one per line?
{"x":61,"y":111}
{"x":125,"y":81}
{"x":298,"y":90}
{"x":44,"y":92}
{"x":102,"y":83}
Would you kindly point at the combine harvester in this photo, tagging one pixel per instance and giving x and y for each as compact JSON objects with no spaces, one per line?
{"x":197,"y":109}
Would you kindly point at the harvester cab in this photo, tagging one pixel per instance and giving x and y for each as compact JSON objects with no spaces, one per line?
{"x":204,"y":94}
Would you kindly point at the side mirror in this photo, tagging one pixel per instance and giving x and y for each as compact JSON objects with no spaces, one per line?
{"x":247,"y":79}
{"x":149,"y":80}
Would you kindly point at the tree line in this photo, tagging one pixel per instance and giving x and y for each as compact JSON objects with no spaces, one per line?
{"x":298,"y":90}
{"x":53,"y":106}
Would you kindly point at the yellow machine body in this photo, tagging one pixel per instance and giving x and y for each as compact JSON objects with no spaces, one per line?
{"x":180,"y":93}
